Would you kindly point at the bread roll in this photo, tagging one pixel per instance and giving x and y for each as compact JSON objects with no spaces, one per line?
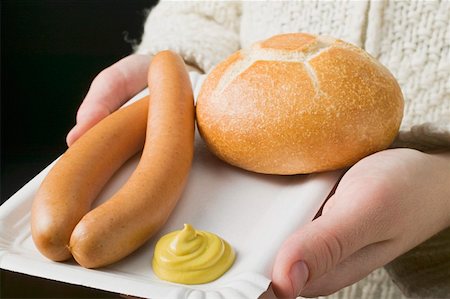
{"x":298,"y":103}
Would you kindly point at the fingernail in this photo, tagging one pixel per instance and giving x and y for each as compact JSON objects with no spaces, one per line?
{"x":71,"y":135}
{"x":299,"y":275}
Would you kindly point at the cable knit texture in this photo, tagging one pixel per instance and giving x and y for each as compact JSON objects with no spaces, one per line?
{"x":424,"y":272}
{"x":203,"y":33}
{"x":411,"y":38}
{"x":377,"y":285}
{"x":261,"y":20}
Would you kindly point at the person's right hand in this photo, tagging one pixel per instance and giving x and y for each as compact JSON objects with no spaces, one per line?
{"x":109,"y":90}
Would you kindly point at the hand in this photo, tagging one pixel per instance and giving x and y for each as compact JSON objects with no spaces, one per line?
{"x":384,"y":205}
{"x":109,"y":90}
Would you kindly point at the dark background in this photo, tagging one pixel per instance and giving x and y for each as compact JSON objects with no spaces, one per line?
{"x":50,"y":52}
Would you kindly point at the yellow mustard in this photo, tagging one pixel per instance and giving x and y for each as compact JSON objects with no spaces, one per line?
{"x":191,"y":257}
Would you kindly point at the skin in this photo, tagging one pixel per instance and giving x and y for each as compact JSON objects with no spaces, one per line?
{"x":385,"y":205}
{"x":109,"y":90}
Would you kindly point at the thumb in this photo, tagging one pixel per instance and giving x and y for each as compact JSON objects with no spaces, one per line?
{"x":86,"y":119}
{"x":317,"y":248}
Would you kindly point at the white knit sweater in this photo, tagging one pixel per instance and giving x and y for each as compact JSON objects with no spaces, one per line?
{"x":411,"y":38}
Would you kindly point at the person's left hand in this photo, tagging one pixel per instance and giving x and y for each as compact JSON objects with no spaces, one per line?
{"x":384,"y":205}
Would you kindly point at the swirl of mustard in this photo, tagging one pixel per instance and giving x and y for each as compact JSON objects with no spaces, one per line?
{"x":191,"y":257}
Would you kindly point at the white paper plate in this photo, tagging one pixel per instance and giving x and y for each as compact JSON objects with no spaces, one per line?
{"x":254,"y":213}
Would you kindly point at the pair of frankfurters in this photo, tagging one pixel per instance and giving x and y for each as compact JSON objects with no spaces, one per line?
{"x":162,"y":126}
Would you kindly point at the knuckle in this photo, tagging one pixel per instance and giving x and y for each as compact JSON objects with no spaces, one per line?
{"x":328,"y":251}
{"x":109,"y":80}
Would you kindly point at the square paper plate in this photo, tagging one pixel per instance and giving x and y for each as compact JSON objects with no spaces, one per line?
{"x":253,"y":212}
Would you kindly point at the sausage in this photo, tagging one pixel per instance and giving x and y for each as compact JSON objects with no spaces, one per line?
{"x":141,"y":207}
{"x":77,"y":178}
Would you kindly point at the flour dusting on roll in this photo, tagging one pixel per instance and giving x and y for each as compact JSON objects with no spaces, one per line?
{"x":298,"y":103}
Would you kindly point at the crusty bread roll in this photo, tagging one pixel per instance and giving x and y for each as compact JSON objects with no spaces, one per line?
{"x":298,"y":103}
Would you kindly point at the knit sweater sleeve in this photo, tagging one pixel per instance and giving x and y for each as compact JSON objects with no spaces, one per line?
{"x":413,"y":41}
{"x":202,"y":32}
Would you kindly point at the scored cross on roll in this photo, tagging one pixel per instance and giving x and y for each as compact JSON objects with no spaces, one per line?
{"x":298,"y":103}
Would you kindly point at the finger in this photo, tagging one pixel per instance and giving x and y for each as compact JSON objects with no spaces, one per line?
{"x":92,"y":117}
{"x":307,"y":254}
{"x":318,"y":247}
{"x":116,"y":84}
{"x":109,"y":90}
{"x":351,"y":270}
